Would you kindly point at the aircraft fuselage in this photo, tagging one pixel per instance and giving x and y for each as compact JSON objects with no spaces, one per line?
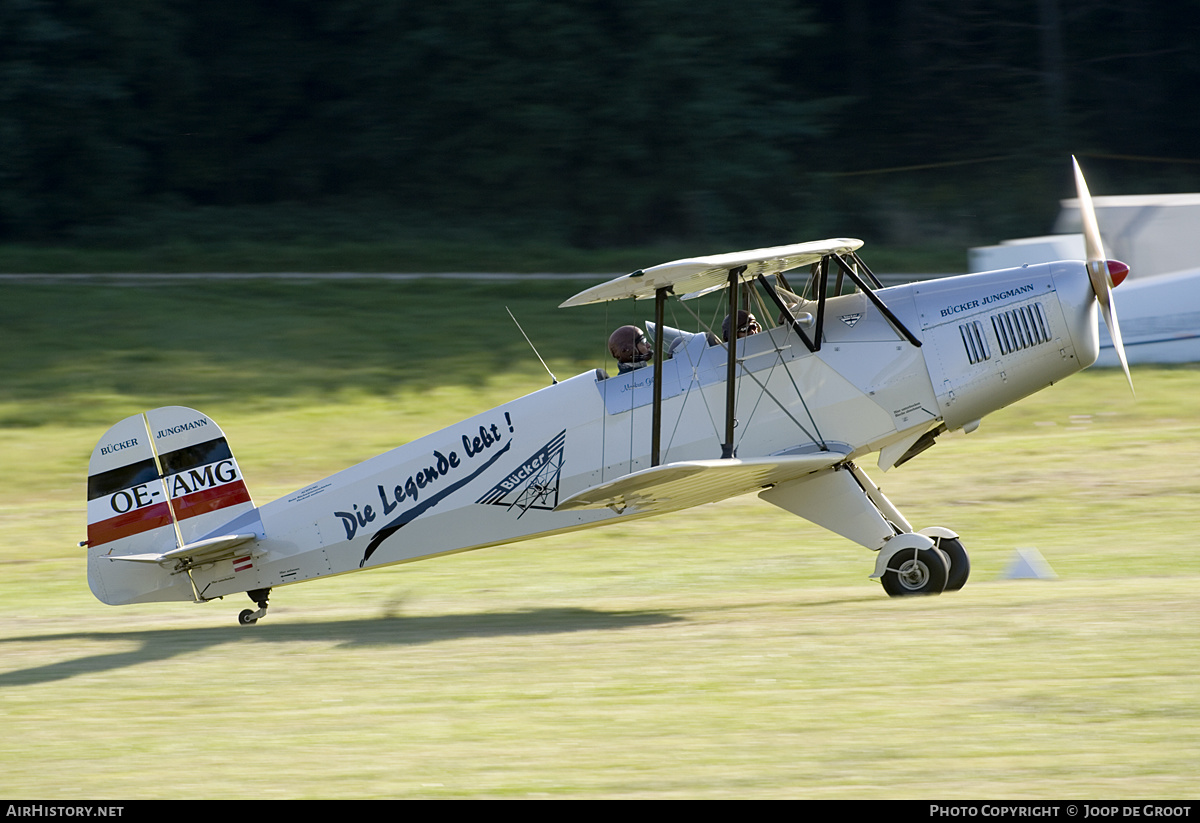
{"x":987,"y":340}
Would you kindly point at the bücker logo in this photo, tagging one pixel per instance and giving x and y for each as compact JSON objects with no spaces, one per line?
{"x":534,"y":484}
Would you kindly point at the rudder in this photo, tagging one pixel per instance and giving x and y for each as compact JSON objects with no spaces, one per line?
{"x":157,"y":481}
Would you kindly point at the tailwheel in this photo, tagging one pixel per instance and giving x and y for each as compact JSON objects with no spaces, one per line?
{"x":916,"y":571}
{"x":249,"y":617}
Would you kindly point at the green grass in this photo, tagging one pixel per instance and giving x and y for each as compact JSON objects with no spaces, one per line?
{"x":728,"y":651}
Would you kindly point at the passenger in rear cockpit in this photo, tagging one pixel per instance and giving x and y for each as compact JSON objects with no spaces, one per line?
{"x":631,"y":349}
{"x":746,"y":326}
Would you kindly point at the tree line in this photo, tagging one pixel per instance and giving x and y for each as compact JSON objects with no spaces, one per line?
{"x":594,"y":122}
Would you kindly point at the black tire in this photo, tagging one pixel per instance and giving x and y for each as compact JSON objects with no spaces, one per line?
{"x":960,"y":563}
{"x":247,"y":618}
{"x":916,"y":571}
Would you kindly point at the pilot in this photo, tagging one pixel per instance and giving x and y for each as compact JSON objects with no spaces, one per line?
{"x":746,"y":326}
{"x":629,"y":346}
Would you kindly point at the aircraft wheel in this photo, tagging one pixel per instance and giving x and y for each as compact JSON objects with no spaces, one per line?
{"x":916,"y":571}
{"x":247,"y":618}
{"x":960,"y":563}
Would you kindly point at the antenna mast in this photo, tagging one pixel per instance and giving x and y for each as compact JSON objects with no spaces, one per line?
{"x":553,"y":379}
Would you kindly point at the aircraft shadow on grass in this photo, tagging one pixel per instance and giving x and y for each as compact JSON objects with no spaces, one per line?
{"x":163,"y":644}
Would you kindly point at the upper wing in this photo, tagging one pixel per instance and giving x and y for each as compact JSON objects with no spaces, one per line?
{"x":689,"y":483}
{"x":700,"y":273}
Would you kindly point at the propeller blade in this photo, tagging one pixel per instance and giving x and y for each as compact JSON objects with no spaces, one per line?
{"x":1099,"y":271}
{"x":1110,"y":319}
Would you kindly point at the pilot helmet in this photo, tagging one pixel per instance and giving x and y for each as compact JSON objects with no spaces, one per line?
{"x":746,"y":325}
{"x":627,"y":343}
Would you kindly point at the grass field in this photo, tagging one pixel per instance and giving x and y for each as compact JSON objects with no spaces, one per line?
{"x":729,"y":651}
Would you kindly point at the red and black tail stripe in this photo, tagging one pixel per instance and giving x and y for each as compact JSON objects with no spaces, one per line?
{"x":135,"y":501}
{"x":134,"y":522}
{"x":191,"y":457}
{"x":203,"y":478}
{"x":200,"y":479}
{"x":122,"y":478}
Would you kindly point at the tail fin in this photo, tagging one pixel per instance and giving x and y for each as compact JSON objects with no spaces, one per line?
{"x":157,"y":482}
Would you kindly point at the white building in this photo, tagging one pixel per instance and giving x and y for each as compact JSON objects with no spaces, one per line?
{"x":1158,"y":236}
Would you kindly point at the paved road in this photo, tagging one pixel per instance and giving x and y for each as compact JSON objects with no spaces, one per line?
{"x":135,"y":279}
{"x":161,"y":278}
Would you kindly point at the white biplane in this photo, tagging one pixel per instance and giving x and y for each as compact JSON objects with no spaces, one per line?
{"x":787,"y":413}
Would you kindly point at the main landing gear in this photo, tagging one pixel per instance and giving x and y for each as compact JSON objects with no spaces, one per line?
{"x":844,"y":500}
{"x":259,"y":596}
{"x":927,"y":562}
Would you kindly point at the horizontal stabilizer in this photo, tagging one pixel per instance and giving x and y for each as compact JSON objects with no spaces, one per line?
{"x":693,"y":482}
{"x":697,"y":274}
{"x":194,"y":554}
